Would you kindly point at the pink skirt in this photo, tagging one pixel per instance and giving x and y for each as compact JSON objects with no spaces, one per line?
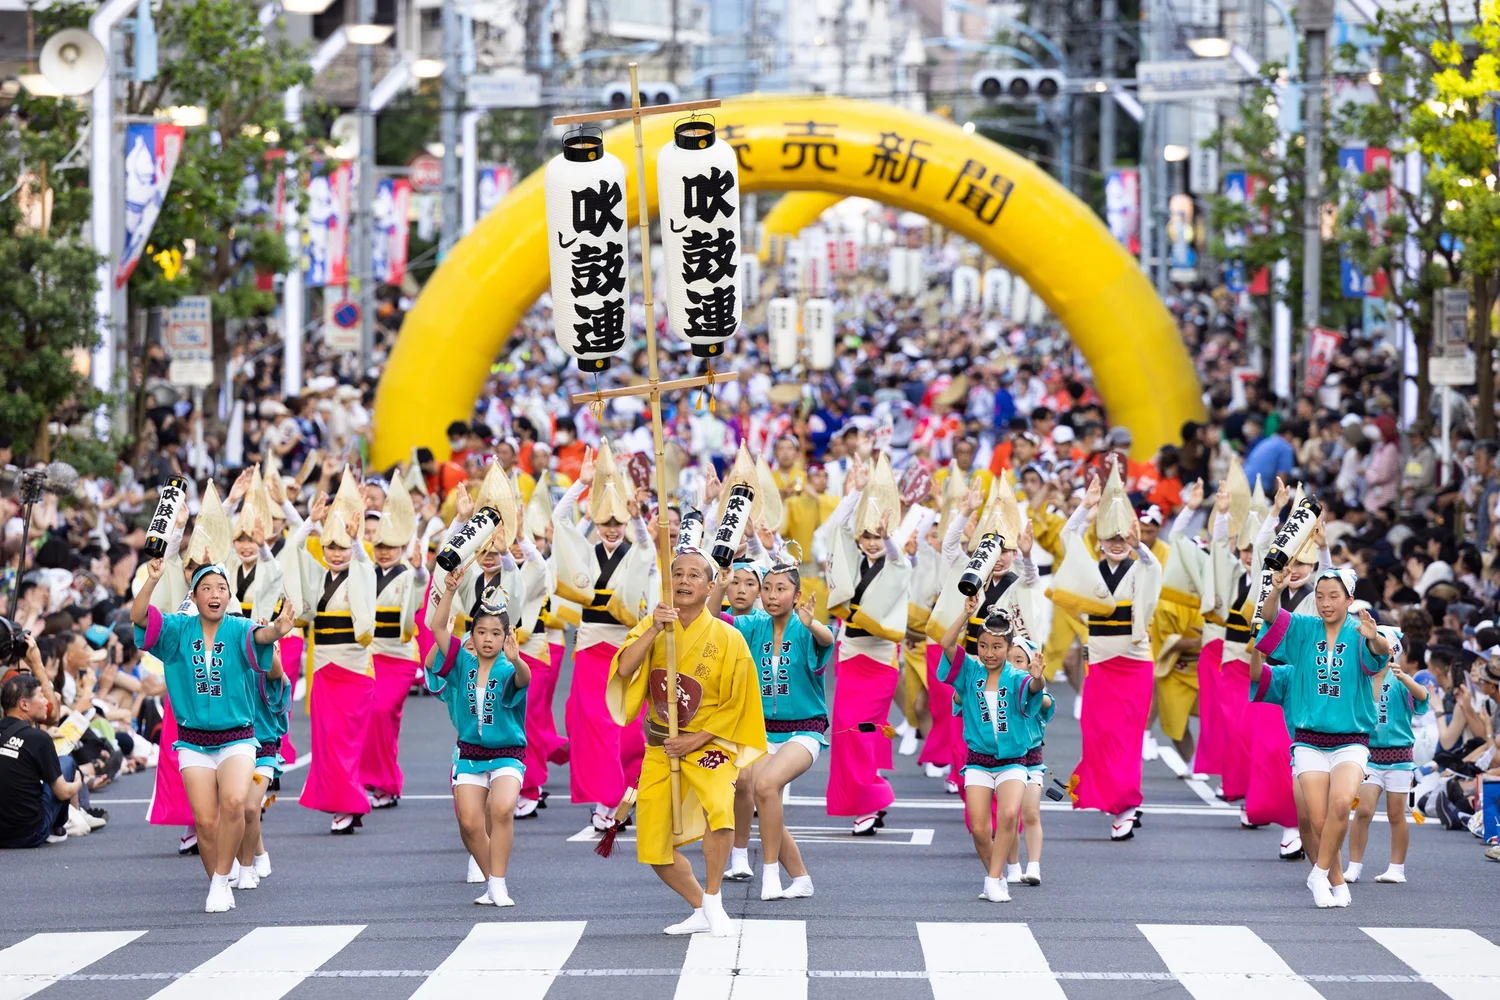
{"x":542,"y":739}
{"x":863,"y":693}
{"x":1108,"y":776}
{"x":379,"y":761}
{"x":341,"y":701}
{"x":1268,"y":796}
{"x":169,"y":801}
{"x":599,"y":750}
{"x":937,"y":749}
{"x":293,"y":649}
{"x":1234,"y":709}
{"x":424,"y":634}
{"x":1209,"y":756}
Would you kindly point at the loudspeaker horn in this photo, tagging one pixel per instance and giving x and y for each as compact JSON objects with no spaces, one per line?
{"x":73,"y":61}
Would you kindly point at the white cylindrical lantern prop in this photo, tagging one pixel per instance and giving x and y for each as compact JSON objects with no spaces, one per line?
{"x":698,"y":191}
{"x":976,"y":575}
{"x":781,"y":326}
{"x":916,"y":272}
{"x":1020,"y":300}
{"x":750,"y":278}
{"x":817,"y":324}
{"x":1036,"y":311}
{"x":170,"y":498}
{"x":588,"y":252}
{"x":965,"y":288}
{"x":996,"y":289}
{"x":467,"y":538}
{"x":896,"y":271}
{"x":732,"y":525}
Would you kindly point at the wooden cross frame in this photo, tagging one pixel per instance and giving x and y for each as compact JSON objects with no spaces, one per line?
{"x":653,"y":389}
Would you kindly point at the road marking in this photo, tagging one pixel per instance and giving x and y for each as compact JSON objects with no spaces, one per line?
{"x":890,"y":836}
{"x":42,"y":959}
{"x":266,"y":964}
{"x":1225,"y":963}
{"x":519,"y":960}
{"x":1462,"y":964}
{"x":1179,"y":767}
{"x":956,"y":804}
{"x":762,"y":960}
{"x":972,"y":961}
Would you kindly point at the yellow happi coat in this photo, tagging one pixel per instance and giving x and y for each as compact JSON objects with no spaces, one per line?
{"x":717,"y":692}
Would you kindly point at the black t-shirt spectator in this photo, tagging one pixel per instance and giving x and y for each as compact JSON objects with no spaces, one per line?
{"x":28,"y":761}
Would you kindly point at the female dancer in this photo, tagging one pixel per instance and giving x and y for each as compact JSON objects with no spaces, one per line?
{"x":539,"y":635}
{"x":1390,"y":769}
{"x":738,"y":591}
{"x":208,"y":661}
{"x":487,"y":762}
{"x":997,"y":700}
{"x":1331,"y":705}
{"x":271,"y":699}
{"x":869,"y":584}
{"x":1023,"y":653}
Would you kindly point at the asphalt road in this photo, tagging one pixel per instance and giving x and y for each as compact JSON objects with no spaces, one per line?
{"x":1193,"y":906}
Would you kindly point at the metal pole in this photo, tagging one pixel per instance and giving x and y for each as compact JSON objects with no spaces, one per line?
{"x":658,"y":439}
{"x":452,"y":84}
{"x":1163,"y":198}
{"x":1147,"y":219}
{"x":470,"y":129}
{"x":1312,"y":205}
{"x":359,"y":279}
{"x":1109,"y":13}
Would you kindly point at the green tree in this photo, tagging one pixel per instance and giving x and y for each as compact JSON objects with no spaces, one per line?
{"x":1403,"y":87}
{"x":47,"y":266}
{"x":1456,"y":134}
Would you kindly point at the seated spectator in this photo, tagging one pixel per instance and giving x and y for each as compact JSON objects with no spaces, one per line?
{"x":36,"y":790}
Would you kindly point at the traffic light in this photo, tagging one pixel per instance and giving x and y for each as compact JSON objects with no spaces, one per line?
{"x":616,"y":95}
{"x":1018,"y":86}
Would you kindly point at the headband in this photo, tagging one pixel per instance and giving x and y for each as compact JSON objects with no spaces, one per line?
{"x":1344,"y":576}
{"x":385,"y":487}
{"x":753,"y":568}
{"x":1028,"y":645}
{"x":204,"y":571}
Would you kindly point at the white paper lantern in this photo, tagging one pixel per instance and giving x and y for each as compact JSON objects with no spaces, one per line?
{"x":698,"y":191}
{"x":1020,"y":299}
{"x":750,"y":278}
{"x":896,"y":268}
{"x":781,"y":325}
{"x":965,"y":288}
{"x":817,"y":323}
{"x":587,"y":248}
{"x":1036,"y":310}
{"x":996,"y":289}
{"x":916,"y":272}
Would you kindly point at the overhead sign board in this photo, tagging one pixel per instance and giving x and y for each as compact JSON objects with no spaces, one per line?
{"x":1176,"y":78}
{"x":504,"y":90}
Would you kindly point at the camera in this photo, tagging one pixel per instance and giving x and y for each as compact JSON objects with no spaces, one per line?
{"x":12,"y":642}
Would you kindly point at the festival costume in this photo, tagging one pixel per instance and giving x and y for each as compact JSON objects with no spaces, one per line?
{"x":612,"y":587}
{"x":790,"y":678}
{"x":997,"y":731}
{"x":538,"y":633}
{"x":1391,"y":765}
{"x":491,"y":730}
{"x":871,"y":600}
{"x":211,"y":686}
{"x":342,"y":687}
{"x":716,"y":693}
{"x":1118,"y":602}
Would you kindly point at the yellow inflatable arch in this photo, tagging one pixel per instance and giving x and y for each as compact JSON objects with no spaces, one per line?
{"x":792,"y":213}
{"x":1004,"y":203}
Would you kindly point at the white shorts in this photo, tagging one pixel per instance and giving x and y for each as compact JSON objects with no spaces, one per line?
{"x":196,"y":758}
{"x":266,"y":771}
{"x":1310,"y":760}
{"x":807,"y":743}
{"x":1036,"y":776}
{"x":1391,"y":779}
{"x":980,"y":778}
{"x":484,"y":779}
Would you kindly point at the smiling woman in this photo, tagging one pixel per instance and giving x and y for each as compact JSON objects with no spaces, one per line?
{"x":1006,"y":204}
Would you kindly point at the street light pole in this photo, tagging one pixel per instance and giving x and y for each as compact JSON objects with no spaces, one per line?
{"x":1109,"y":14}
{"x":360,"y":280}
{"x":452,"y":84}
{"x":1317,"y":18}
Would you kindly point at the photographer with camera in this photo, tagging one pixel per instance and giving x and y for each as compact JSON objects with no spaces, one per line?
{"x":39,"y":791}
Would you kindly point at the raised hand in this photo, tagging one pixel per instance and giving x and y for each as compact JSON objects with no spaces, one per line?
{"x":712,"y":487}
{"x":155,"y":567}
{"x":586,"y":470}
{"x":1095,"y":491}
{"x":1025,"y":541}
{"x":805,"y":610}
{"x":971,"y":605}
{"x":1194,"y":498}
{"x":1367,"y":625}
{"x":453,"y":580}
{"x":1283,"y":495}
{"x":240,"y":487}
{"x":1222,"y":499}
{"x":463,"y":504}
{"x":974,"y":499}
{"x":319,"y":508}
{"x":509,"y":647}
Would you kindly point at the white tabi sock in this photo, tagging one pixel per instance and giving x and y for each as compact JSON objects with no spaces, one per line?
{"x":719,"y":924}
{"x":1012,"y":872}
{"x":770,"y":881}
{"x":476,"y":874}
{"x":1354,"y":871}
{"x":1395,"y":873}
{"x":1033,"y":874}
{"x":498,"y":894}
{"x":263,"y":865}
{"x":695,"y":924}
{"x":234,"y":870}
{"x":800,"y":888}
{"x":739,"y":864}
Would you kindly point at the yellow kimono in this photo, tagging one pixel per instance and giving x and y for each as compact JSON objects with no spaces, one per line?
{"x":718,"y":692}
{"x":1176,"y":673}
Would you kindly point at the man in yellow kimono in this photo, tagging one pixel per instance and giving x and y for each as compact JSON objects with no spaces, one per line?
{"x":721,"y":730}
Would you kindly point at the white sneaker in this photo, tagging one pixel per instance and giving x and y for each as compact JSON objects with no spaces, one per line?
{"x":220,"y":896}
{"x":263,"y":865}
{"x":934,"y":771}
{"x":475,"y":875}
{"x":1149,"y":748}
{"x":77,"y":824}
{"x":525,"y":808}
{"x":1391,"y":875}
{"x":94,"y":822}
{"x":1341,"y":895}
{"x":1013,"y":873}
{"x":248,"y":879}
{"x":995,"y":891}
{"x":719,"y":924}
{"x":695,"y":924}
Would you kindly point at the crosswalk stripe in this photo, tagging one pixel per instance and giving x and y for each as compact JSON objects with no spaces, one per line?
{"x":519,"y":960}
{"x":42,"y":959}
{"x":1225,"y":963}
{"x":266,"y":964}
{"x":708,"y":969}
{"x":772,"y":960}
{"x":1452,"y":960}
{"x":969,"y":961}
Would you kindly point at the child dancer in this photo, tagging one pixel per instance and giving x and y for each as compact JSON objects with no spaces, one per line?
{"x":1331,"y":706}
{"x":271,"y":700}
{"x":738,"y":590}
{"x":208,"y":660}
{"x":487,"y":762}
{"x":1023,"y":653}
{"x":997,"y":699}
{"x":539,"y":636}
{"x":1390,"y":769}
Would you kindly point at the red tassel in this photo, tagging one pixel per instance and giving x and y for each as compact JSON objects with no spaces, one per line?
{"x":606,"y":845}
